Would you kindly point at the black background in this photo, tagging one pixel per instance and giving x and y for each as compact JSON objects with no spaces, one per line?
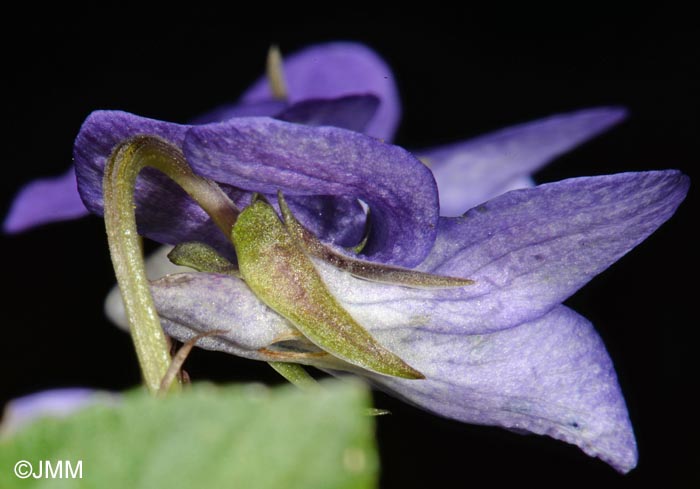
{"x":460,"y":75}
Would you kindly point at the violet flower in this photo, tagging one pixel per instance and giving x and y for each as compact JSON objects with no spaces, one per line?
{"x":503,"y":351}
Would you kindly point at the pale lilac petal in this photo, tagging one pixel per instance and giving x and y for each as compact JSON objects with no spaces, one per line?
{"x":515,"y":184}
{"x":43,"y":201}
{"x":527,"y":251}
{"x":551,"y":376}
{"x":192,"y":303}
{"x":336,"y":69}
{"x":157,"y":265}
{"x":473,"y":171}
{"x":266,"y":155}
{"x":530,"y":249}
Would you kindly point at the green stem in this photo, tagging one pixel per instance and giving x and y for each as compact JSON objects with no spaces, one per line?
{"x":121,"y":171}
{"x":295,"y":374}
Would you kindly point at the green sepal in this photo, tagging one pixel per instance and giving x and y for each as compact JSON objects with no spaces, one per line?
{"x":280,"y":273}
{"x":202,"y":258}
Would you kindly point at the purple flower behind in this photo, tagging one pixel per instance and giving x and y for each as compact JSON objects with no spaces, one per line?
{"x":338,"y":84}
{"x":22,"y":411}
{"x":348,"y":85}
{"x":335,"y":69}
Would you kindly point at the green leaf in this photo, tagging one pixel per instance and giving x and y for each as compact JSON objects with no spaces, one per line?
{"x":208,"y":437}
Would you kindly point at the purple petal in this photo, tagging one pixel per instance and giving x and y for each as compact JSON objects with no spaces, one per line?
{"x":476,"y":170}
{"x":353,"y":112}
{"x":336,"y":220}
{"x":157,"y":265}
{"x":551,"y":376}
{"x":530,"y":249}
{"x":98,"y":136}
{"x":266,"y":155}
{"x":336,"y":69}
{"x":165,"y":213}
{"x":324,"y":71}
{"x":43,"y":201}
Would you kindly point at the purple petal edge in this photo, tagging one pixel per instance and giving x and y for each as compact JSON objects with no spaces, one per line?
{"x":551,"y":376}
{"x":43,"y":201}
{"x":530,"y":249}
{"x":266,"y":155}
{"x":527,"y":251}
{"x":476,"y":170}
{"x":165,"y":213}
